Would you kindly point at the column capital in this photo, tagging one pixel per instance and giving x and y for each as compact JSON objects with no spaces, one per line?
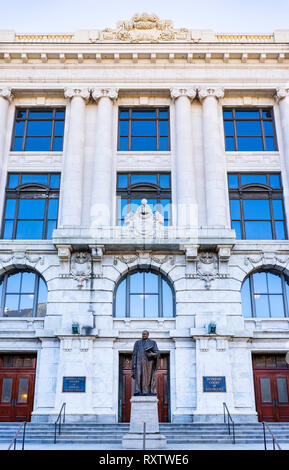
{"x":215,"y":92}
{"x":188,"y":92}
{"x":6,"y":93}
{"x":72,"y":92}
{"x":281,"y":93}
{"x":111,"y":93}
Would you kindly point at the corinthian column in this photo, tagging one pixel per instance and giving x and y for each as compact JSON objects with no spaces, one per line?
{"x":73,"y":158}
{"x":101,"y":194}
{"x":184,"y":161}
{"x":214,"y":155}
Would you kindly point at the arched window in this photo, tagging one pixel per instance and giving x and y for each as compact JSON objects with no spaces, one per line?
{"x":265,"y":294}
{"x":23,"y":294}
{"x":144,"y":294}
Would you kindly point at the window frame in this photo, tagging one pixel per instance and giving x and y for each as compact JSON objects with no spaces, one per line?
{"x":261,"y":119}
{"x":4,"y":280}
{"x":26,"y":120}
{"x":161,"y":277}
{"x":31,"y":190}
{"x":130,"y":110}
{"x":252,"y":294}
{"x":146,"y":191}
{"x":255,"y":190}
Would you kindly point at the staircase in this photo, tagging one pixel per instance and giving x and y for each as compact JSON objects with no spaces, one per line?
{"x":111,"y":434}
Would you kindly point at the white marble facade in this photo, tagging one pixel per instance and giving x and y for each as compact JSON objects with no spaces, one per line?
{"x":195,"y":73}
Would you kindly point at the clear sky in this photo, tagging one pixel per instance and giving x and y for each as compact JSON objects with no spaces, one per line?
{"x":70,"y":15}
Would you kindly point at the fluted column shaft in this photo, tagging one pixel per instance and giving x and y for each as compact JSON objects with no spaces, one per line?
{"x":215,"y":165}
{"x":5,"y":98}
{"x":72,"y":181}
{"x":282,"y":95}
{"x":186,"y":213}
{"x":101,"y":194}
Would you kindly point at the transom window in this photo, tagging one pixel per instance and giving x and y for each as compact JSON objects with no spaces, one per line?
{"x":133,"y":187}
{"x":31,"y":206}
{"x":249,"y":129}
{"x":265,"y":294}
{"x":38,"y":129}
{"x":256,"y":203}
{"x":144,"y":294}
{"x":23,"y":294}
{"x":143,"y":129}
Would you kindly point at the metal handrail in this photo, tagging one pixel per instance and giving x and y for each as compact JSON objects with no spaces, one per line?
{"x":274,"y":440}
{"x":229,"y":419}
{"x":144,"y":435}
{"x":59,"y":419}
{"x":16,"y":435}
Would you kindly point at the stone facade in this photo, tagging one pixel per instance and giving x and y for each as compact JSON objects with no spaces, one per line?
{"x":144,"y":62}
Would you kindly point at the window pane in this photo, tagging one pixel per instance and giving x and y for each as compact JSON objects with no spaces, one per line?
{"x":260,"y":283}
{"x":167,"y":300}
{"x":138,"y":178}
{"x":40,"y":113}
{"x":59,"y":128}
{"x":137,"y":306}
{"x":282,"y":389}
{"x":143,"y":128}
{"x":278,"y":209}
{"x":248,"y":179}
{"x":10,"y":208}
{"x":23,"y":390}
{"x":52,"y":208}
{"x":233,"y":181}
{"x":163,"y":113}
{"x":19,"y":128}
{"x":31,"y":209}
{"x":230,"y":144}
{"x":144,"y":113}
{"x":274,"y":283}
{"x":151,"y":306}
{"x":136,"y":282}
{"x":258,"y":231}
{"x":227,"y":114}
{"x":123,"y":128}
{"x":42,"y":299}
{"x":250,"y":144}
{"x":246,"y":299}
{"x":124,"y":114}
{"x":163,"y":128}
{"x":122,"y":181}
{"x":58,"y":144}
{"x":123,"y":143}
{"x":51,"y":225}
{"x":36,"y":178}
{"x":275,"y":181}
{"x":143,"y":143}
{"x":151,"y":283}
{"x":28,"y":282}
{"x":268,"y":128}
{"x":265,"y":390}
{"x":164,"y":143}
{"x":29,"y":230}
{"x":37,"y":143}
{"x":237,"y":226}
{"x":13,"y":181}
{"x":246,"y":128}
{"x":39,"y":128}
{"x":270,"y":144}
{"x":26,"y":305}
{"x":6,"y":390}
{"x":276,"y":306}
{"x":261,"y":306}
{"x":165,"y":181}
{"x":8,"y":230}
{"x":248,"y":114}
{"x":280,"y":230}
{"x":60,"y":113}
{"x":120,"y":300}
{"x":14,"y":283}
{"x":256,"y":209}
{"x":235,"y":209}
{"x":229,"y":128}
{"x":18,"y":142}
{"x":54,"y":181}
{"x":11,"y":305}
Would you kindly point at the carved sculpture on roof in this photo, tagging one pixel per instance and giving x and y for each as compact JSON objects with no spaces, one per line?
{"x":145,"y":27}
{"x":144,"y":223}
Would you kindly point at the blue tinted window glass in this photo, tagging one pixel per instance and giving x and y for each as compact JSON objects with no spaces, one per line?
{"x":58,"y":144}
{"x":237,"y":227}
{"x":120,"y":300}
{"x":280,"y":230}
{"x":262,"y":306}
{"x":51,"y":225}
{"x":40,"y":114}
{"x":248,"y":114}
{"x":168,"y":310}
{"x":54,"y":181}
{"x":256,"y":209}
{"x":227,"y":114}
{"x":248,"y":179}
{"x":277,"y":209}
{"x":124,"y":114}
{"x":28,"y":282}
{"x":151,"y":306}
{"x":123,"y":143}
{"x":136,"y":306}
{"x":122,"y":208}
{"x":52,"y":208}
{"x":163,"y":126}
{"x":164,"y":143}
{"x":250,"y":143}
{"x":39,"y":128}
{"x":163,"y":113}
{"x":233,"y":181}
{"x":19,"y":128}
{"x":229,"y":128}
{"x":31,"y":209}
{"x":276,"y":306}
{"x":248,"y":128}
{"x":275,"y":181}
{"x":28,"y":178}
{"x":138,"y":178}
{"x":8,"y":230}
{"x":18,"y":142}
{"x":37,"y":143}
{"x":144,"y":128}
{"x":235,"y":209}
{"x":14,"y":283}
{"x":274,"y":283}
{"x":246,"y":299}
{"x":230,"y":144}
{"x":258,"y":231}
{"x":13,"y":181}
{"x":26,"y":305}
{"x":267,"y":113}
{"x":29,"y":230}
{"x":151,"y":283}
{"x":123,"y":128}
{"x":270,"y":144}
{"x":143,"y":143}
{"x":11,"y":305}
{"x":59,"y":128}
{"x":10,"y":208}
{"x":260,"y":283}
{"x":122,"y":181}
{"x":135,"y":203}
{"x":165,"y":210}
{"x":136,"y":113}
{"x":268,"y":128}
{"x":60,"y":113}
{"x":165,"y":181}
{"x":137,"y":283}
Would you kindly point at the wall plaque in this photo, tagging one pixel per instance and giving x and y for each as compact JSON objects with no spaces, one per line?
{"x":74,"y":384}
{"x":214,"y":384}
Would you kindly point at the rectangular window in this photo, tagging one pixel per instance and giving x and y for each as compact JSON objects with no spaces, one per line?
{"x":31,"y":206}
{"x":256,"y":205}
{"x":249,"y":129}
{"x":133,"y":187}
{"x":143,"y":129}
{"x":38,"y":129}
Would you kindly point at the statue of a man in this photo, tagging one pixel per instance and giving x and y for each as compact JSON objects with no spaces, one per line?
{"x":145,"y":361}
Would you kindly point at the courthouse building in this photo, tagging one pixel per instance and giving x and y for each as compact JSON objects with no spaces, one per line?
{"x":144,"y":185}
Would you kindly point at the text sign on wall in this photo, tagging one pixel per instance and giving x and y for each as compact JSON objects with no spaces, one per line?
{"x":214,"y":384}
{"x":74,"y":384}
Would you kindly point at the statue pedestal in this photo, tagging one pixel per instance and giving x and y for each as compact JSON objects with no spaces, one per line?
{"x":144,"y":409}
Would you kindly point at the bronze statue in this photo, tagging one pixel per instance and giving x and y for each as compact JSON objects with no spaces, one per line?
{"x":145,"y":362}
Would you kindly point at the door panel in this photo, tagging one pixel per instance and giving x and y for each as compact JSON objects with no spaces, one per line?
{"x":126,"y":387}
{"x":282,"y":398}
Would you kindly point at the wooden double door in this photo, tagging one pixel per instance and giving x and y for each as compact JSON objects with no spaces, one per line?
{"x":17,"y":379}
{"x":126,"y":384}
{"x":271,"y":380}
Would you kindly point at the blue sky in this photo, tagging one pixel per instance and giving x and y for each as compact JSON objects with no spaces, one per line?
{"x":219,"y":15}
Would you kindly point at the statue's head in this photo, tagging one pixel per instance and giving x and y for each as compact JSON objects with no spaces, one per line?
{"x":145,"y":334}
